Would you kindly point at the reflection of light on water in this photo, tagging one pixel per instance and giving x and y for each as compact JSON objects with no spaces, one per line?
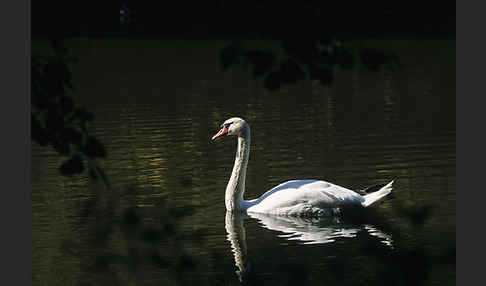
{"x":330,"y":117}
{"x":152,"y":165}
{"x":385,"y":238}
{"x":390,"y":100}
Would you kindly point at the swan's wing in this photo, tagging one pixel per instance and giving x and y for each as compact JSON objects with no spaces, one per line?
{"x":304,"y":195}
{"x":342,"y":195}
{"x":295,"y":184}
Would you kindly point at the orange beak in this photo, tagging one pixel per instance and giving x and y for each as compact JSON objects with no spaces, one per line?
{"x":221,"y":132}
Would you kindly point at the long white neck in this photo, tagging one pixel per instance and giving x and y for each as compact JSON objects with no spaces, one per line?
{"x":236,"y":185}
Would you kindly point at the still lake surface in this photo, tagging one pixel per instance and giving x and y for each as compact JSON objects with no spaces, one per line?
{"x":163,"y":221}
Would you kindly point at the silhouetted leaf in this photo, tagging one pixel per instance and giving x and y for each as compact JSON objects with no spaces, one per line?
{"x":373,"y":59}
{"x":55,"y":122}
{"x":159,"y":260}
{"x":67,"y":104}
{"x":72,"y":166}
{"x":103,"y":175}
{"x":72,"y":135}
{"x":395,"y":60}
{"x":151,"y":235}
{"x":130,"y":219}
{"x":186,"y":262}
{"x":292,"y":47}
{"x":37,"y":132}
{"x":61,"y":146}
{"x":168,"y":228}
{"x":84,"y":114}
{"x":93,"y":148}
{"x":417,"y":214}
{"x":97,"y":173}
{"x":56,"y":77}
{"x":345,"y":59}
{"x":291,"y":72}
{"x":323,"y":74}
{"x":229,"y":56}
{"x":273,"y":81}
{"x":133,"y":259}
{"x":262,"y":61}
{"x":327,"y":59}
{"x":304,"y":50}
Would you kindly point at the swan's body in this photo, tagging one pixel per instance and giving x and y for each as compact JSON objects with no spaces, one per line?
{"x":296,"y":197}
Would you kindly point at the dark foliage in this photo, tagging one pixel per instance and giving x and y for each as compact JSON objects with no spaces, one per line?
{"x":229,"y":56}
{"x":149,"y":239}
{"x":416,"y":214}
{"x":311,"y":32}
{"x":73,"y":165}
{"x":324,"y":74}
{"x":262,"y":61}
{"x":273,"y":80}
{"x":304,"y":58}
{"x":93,"y":148}
{"x":374,"y":59}
{"x":291,"y":72}
{"x":57,"y":121}
{"x":345,"y":59}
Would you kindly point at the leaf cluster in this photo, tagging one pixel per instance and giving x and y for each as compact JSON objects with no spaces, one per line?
{"x":57,"y":121}
{"x":304,"y":58}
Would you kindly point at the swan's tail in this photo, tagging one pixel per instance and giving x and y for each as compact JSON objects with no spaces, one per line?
{"x":377,"y":196}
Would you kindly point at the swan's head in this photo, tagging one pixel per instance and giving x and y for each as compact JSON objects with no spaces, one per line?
{"x":234,"y":126}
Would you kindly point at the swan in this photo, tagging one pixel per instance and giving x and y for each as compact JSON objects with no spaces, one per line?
{"x":295,"y":197}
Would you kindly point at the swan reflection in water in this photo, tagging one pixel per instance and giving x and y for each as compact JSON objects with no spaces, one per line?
{"x":301,"y":229}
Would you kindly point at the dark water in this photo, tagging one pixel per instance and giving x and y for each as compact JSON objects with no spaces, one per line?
{"x":163,"y":222}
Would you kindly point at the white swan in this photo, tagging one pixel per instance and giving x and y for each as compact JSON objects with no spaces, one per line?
{"x":296,"y":197}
